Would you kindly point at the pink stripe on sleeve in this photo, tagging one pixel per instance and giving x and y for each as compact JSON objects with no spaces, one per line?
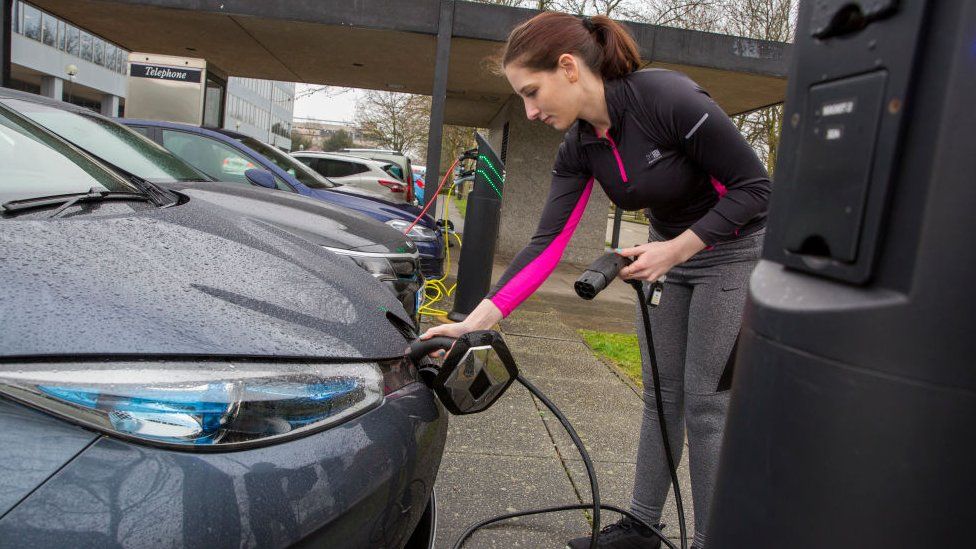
{"x":528,"y":280}
{"x":719,"y":187}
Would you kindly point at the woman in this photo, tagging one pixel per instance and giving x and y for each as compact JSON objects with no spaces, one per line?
{"x":653,"y":139}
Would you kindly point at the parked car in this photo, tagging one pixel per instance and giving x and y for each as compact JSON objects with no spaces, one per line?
{"x":402,"y":167}
{"x":382,"y":251}
{"x":175,"y":374}
{"x":419,"y":180}
{"x":291,"y":175}
{"x":370,"y":176}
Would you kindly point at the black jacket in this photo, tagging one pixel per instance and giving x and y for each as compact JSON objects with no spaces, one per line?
{"x":670,"y":149}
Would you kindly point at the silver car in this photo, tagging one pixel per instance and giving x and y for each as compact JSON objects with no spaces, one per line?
{"x":374,"y":177}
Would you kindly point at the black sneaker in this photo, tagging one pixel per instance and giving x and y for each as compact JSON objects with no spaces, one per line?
{"x":623,"y":534}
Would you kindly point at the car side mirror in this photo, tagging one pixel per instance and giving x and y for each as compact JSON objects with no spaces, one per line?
{"x":447,"y":225}
{"x":477,"y":371}
{"x":261,"y":178}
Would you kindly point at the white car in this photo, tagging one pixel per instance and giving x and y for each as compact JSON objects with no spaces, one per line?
{"x":370,"y":177}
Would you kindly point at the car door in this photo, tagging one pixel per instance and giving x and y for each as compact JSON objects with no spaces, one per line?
{"x":213,"y":157}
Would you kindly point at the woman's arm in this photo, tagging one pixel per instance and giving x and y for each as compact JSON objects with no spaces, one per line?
{"x":568,"y":194}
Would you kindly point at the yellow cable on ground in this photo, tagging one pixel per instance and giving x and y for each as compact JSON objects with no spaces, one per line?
{"x":436,"y":289}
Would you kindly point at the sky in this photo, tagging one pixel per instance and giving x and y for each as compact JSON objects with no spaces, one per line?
{"x":327,"y":106}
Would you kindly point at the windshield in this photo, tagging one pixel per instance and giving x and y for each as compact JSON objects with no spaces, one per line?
{"x":35,"y":164}
{"x":111,"y":142}
{"x":298,"y":170}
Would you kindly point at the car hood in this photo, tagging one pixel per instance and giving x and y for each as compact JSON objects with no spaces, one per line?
{"x":359,"y":202}
{"x":316,"y":221}
{"x":194,"y":279}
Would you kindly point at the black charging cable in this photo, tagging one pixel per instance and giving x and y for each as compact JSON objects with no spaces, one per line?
{"x":595,"y":506}
{"x":598,"y":276}
{"x":591,"y":283}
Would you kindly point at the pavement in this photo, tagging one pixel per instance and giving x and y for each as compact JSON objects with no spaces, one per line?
{"x":516,"y":456}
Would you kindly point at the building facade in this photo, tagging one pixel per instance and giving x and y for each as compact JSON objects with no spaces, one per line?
{"x":261,"y":109}
{"x":318,"y":132}
{"x":54,"y":58}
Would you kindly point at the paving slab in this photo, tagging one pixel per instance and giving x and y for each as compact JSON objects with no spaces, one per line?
{"x":544,"y":324}
{"x":511,"y":427}
{"x":606,"y":436}
{"x":566,"y":360}
{"x":471,"y":487}
{"x":617,"y":486}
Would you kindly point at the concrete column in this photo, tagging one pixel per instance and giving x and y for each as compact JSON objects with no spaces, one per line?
{"x":445,"y":29}
{"x":110,"y":104}
{"x":6,"y":19}
{"x":52,"y":86}
{"x":532,"y":148}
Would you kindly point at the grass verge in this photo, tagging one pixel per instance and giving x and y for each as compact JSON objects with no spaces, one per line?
{"x":461,"y":204}
{"x":620,"y":349}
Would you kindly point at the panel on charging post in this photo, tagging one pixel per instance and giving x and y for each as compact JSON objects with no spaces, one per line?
{"x":849,"y":86}
{"x":838,"y":152}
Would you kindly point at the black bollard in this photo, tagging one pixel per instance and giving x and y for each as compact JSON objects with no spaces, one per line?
{"x":480,"y":232}
{"x":853,"y":404}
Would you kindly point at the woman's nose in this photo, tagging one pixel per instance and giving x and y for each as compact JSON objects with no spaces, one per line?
{"x":531,"y":111}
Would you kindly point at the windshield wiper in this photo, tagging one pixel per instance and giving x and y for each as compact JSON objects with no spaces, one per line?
{"x":94,"y":194}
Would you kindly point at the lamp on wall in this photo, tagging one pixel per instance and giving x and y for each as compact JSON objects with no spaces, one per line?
{"x":71,"y":70}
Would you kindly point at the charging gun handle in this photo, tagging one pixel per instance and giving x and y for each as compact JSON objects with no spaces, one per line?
{"x":421,"y":348}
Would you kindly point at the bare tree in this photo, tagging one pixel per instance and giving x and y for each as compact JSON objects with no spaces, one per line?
{"x":398,"y":121}
{"x":308,"y":90}
{"x":606,"y":7}
{"x":763,"y":20}
{"x":702,"y":15}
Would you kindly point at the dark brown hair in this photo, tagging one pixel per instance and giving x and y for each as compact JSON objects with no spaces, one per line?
{"x":604,"y":45}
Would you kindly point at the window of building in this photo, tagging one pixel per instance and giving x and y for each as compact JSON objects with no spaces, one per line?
{"x":50,"y":30}
{"x":86,"y":46}
{"x":61,"y":35}
{"x":110,"y":57}
{"x":99,"y":47}
{"x":32,"y":22}
{"x":72,"y":41}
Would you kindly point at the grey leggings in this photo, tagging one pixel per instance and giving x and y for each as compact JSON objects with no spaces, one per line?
{"x":694,"y":329}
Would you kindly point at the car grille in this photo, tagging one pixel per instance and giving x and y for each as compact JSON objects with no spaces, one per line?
{"x":432,"y":267}
{"x":405,"y":267}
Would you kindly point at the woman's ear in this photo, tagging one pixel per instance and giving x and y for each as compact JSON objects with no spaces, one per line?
{"x":568,"y":65}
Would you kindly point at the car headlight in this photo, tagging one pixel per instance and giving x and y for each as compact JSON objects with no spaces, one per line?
{"x":215,"y":405}
{"x":418,"y":232}
{"x":378,"y":266}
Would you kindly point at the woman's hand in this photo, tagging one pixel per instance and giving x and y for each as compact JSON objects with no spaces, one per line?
{"x":651,"y":261}
{"x":655,"y":259}
{"x":483,"y":317}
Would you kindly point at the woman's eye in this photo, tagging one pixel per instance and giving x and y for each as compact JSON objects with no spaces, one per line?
{"x":530,"y":94}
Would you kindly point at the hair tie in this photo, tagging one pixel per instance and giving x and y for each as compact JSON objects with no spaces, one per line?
{"x":589,"y":24}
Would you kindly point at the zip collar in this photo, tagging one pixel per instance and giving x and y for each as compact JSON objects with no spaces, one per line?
{"x":612,"y":90}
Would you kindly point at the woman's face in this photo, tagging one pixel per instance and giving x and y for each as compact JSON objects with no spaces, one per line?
{"x":550,"y":96}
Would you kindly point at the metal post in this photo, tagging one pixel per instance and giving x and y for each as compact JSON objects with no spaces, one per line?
{"x":6,"y":19}
{"x":445,"y":28}
{"x":615,"y":233}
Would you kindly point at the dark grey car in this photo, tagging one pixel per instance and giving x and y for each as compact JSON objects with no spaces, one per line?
{"x":174,"y":373}
{"x":380,"y":250}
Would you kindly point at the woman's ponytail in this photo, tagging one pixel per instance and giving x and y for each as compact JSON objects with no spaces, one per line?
{"x":605,"y":46}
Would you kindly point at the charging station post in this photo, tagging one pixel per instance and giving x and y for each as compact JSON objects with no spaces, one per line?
{"x":854,"y":400}
{"x":480,"y":231}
